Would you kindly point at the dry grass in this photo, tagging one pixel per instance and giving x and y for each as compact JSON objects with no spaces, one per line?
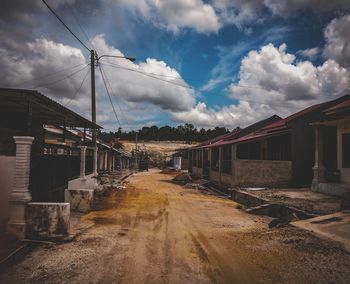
{"x":165,"y":147}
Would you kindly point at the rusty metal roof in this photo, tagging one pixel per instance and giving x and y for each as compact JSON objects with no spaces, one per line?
{"x":15,"y":103}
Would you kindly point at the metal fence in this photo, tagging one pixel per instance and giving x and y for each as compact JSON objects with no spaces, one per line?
{"x":52,"y":166}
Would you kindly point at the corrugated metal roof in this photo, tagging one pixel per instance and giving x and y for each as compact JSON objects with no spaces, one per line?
{"x":44,"y":109}
{"x":338,"y":107}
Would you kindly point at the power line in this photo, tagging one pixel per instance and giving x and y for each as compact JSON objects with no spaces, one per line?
{"x":110,"y":87}
{"x":62,"y":79}
{"x":81,"y":27}
{"x":148,"y":75}
{"x":153,"y":75}
{"x":109,"y":96}
{"x":76,"y":92}
{"x":46,"y":76}
{"x":162,"y":75}
{"x":54,"y":13}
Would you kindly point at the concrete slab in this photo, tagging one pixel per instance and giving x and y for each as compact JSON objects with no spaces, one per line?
{"x":333,"y":226}
{"x":301,"y":198}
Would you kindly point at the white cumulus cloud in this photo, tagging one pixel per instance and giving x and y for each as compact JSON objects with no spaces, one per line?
{"x":177,"y":14}
{"x":337,"y":35}
{"x":271,"y":81}
{"x":145,"y":81}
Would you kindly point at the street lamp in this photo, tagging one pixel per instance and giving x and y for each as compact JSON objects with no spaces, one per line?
{"x":95,"y":57}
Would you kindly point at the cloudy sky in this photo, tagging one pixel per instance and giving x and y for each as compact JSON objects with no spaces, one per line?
{"x":210,"y":63}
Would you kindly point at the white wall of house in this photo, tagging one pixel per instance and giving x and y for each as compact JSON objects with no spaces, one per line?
{"x":343,"y":128}
{"x":7,"y":170}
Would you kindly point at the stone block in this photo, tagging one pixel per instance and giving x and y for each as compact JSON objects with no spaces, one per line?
{"x":81,"y":200}
{"x":89,"y":182}
{"x":46,"y":220}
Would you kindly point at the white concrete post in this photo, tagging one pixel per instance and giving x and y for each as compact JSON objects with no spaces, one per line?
{"x":20,"y":195}
{"x":319,"y":169}
{"x":82,"y":161}
{"x":220,"y":162}
{"x":234,"y":159}
{"x":95,"y":173}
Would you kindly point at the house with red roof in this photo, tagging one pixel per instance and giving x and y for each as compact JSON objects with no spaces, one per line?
{"x":271,"y":152}
{"x":332,"y":151}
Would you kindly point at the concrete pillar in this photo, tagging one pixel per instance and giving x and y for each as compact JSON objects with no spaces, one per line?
{"x":220,"y":162}
{"x":319,"y":169}
{"x":20,"y":195}
{"x":82,"y":161}
{"x":111,"y":161}
{"x":95,"y":162}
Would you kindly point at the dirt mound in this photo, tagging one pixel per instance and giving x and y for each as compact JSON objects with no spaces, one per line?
{"x":184,"y":177}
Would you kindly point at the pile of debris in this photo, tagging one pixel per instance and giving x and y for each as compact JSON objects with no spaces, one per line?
{"x":170,"y":170}
{"x":183,"y":178}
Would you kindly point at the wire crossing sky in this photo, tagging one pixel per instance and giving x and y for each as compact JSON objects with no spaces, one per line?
{"x":210,"y":63}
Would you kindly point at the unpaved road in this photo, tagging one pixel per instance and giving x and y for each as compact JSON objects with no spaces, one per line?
{"x":159,"y":232}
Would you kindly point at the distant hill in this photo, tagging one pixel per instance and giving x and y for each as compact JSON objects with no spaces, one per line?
{"x":165,"y":147}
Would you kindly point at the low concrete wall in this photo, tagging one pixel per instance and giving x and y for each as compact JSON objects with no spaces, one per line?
{"x":7,"y":170}
{"x":246,"y":198}
{"x":336,"y":189}
{"x":46,"y":220}
{"x":81,"y":200}
{"x":88,"y":183}
{"x":184,"y":164}
{"x":261,"y":172}
{"x":215,"y":176}
{"x":197,"y":172}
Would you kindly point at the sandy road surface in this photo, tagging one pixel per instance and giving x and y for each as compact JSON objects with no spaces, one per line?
{"x":159,"y":232}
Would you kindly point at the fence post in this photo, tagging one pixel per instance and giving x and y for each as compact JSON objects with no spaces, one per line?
{"x":82,"y":161}
{"x":20,"y":195}
{"x":95,"y":170}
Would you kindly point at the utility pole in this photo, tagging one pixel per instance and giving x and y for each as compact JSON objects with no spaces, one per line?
{"x":136,"y":158}
{"x":93,"y":110}
{"x":95,"y":58}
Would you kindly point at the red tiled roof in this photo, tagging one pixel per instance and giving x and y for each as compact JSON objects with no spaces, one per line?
{"x":338,"y":107}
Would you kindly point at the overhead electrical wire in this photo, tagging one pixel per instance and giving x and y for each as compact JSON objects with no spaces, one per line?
{"x":155,"y":76}
{"x":109,"y":96}
{"x":162,"y":75}
{"x":148,"y":75}
{"x":81,"y":28}
{"x":54,"y":13}
{"x":77,"y":91}
{"x":62,"y":79}
{"x":110,"y":87}
{"x":49,"y":75}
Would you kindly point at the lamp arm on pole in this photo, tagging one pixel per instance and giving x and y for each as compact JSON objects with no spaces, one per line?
{"x":132,"y":59}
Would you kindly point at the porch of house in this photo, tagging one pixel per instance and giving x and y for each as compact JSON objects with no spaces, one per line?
{"x":43,"y":174}
{"x":332,"y":157}
{"x":265,"y":162}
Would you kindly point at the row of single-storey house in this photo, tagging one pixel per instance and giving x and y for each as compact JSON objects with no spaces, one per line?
{"x":308,"y":148}
{"x":46,"y":151}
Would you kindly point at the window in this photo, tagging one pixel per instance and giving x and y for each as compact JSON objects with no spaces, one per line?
{"x":279,"y":148}
{"x":346,"y":150}
{"x":215,"y":159}
{"x":227,"y":159}
{"x":249,"y":151}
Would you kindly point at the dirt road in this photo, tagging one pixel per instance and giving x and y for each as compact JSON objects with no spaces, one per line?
{"x":160,"y":232}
